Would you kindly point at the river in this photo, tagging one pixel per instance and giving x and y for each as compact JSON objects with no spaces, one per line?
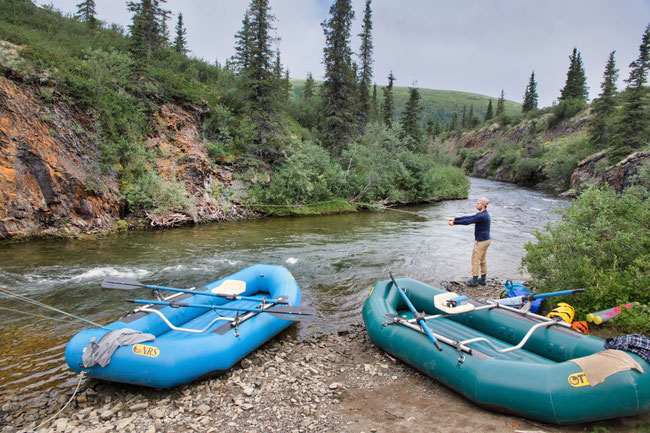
{"x":333,"y":258}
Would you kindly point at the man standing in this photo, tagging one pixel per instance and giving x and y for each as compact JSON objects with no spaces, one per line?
{"x":481,"y":240}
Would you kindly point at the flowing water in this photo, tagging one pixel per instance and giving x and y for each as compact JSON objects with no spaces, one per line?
{"x":335,"y":259}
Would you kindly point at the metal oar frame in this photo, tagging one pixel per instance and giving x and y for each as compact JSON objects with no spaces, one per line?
{"x":234,"y":322}
{"x":462,"y":346}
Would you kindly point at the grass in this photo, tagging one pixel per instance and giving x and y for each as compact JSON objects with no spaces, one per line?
{"x":323,"y":208}
{"x":436,"y":103}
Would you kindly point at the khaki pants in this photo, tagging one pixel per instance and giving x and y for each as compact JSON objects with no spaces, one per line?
{"x":478,"y":257}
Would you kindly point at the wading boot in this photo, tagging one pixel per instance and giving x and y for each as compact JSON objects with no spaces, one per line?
{"x":473,"y":282}
{"x":483,"y":280}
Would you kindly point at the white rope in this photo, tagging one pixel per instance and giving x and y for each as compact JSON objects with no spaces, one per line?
{"x":81,"y":376}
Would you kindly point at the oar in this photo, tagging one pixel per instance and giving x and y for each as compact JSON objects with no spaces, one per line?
{"x":129,"y":284}
{"x":531,"y":297}
{"x":419,"y":317}
{"x":298,"y":313}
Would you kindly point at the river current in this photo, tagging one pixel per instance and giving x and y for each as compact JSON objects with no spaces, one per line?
{"x":334,"y":259}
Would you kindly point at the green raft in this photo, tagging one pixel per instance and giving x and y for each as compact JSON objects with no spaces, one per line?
{"x":505,"y":360}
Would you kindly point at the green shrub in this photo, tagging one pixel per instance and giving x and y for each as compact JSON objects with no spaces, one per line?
{"x":307,"y":175}
{"x":528,"y":170}
{"x":566,"y":110}
{"x":601,"y":244}
{"x":218,"y":152}
{"x":506,"y":153}
{"x":469,"y":157}
{"x":150,"y":191}
{"x":560,"y":170}
{"x":380,"y":167}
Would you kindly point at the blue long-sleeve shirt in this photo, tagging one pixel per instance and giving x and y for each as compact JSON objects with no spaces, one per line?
{"x":482,"y":227}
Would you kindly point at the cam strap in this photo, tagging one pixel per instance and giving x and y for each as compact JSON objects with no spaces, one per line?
{"x":452,"y":303}
{"x":230,"y":288}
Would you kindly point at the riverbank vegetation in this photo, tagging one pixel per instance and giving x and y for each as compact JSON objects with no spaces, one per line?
{"x":338,"y":140}
{"x":601,"y":244}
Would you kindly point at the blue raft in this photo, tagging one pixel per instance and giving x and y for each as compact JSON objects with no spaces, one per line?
{"x":180,"y":356}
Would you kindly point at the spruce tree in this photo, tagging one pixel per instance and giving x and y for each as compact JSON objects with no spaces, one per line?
{"x":634,"y":128}
{"x":374,"y":105}
{"x":576,"y":80}
{"x":283,"y":83}
{"x":429,"y":130}
{"x":463,"y":121}
{"x":338,"y":91}
{"x":530,"y":97}
{"x":164,"y":30}
{"x":489,"y":113}
{"x":308,"y":91}
{"x":86,"y":13}
{"x":262,"y":84}
{"x":388,"y":107}
{"x":365,"y":56}
{"x":501,"y":104}
{"x":180,"y":42}
{"x":437,"y":129}
{"x":472,"y":121}
{"x":604,"y":107}
{"x":453,"y":125}
{"x":411,"y":116}
{"x":146,"y":29}
{"x":286,"y":84}
{"x":243,"y":40}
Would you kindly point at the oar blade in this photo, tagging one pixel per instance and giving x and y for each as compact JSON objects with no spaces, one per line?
{"x":121,"y":283}
{"x":297,"y":313}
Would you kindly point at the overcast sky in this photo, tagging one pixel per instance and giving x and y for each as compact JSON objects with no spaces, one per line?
{"x":478,"y":46}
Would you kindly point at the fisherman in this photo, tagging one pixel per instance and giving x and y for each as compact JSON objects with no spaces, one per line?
{"x":481,"y":240}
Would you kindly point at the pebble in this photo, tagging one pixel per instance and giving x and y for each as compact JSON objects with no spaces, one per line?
{"x":285,"y":386}
{"x":139,"y":406}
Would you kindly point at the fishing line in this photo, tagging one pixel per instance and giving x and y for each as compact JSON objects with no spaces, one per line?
{"x":33,"y":315}
{"x":40,"y":304}
{"x":408,"y":212}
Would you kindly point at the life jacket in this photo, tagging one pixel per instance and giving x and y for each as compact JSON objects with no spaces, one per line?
{"x":564,"y":311}
{"x":581,"y":326}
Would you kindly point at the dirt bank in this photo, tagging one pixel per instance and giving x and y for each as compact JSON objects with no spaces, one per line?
{"x":336,"y":382}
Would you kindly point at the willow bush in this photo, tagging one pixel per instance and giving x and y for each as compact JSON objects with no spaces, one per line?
{"x":601,"y":244}
{"x":377,"y":168}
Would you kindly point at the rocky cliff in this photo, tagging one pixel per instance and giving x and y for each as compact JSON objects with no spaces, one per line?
{"x":52,"y":182}
{"x":618,"y":176}
{"x":532,"y":136}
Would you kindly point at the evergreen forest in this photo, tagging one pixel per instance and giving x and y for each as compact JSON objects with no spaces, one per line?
{"x":342,"y":140}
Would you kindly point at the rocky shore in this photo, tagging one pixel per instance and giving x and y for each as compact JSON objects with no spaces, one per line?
{"x":338,"y":382}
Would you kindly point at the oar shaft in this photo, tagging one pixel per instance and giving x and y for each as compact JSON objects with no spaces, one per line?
{"x":420,"y":318}
{"x":560,"y":293}
{"x":213,"y":295}
{"x":521,"y":299}
{"x":193,"y":305}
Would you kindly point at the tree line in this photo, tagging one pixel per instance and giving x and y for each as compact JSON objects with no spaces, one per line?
{"x":339,"y":139}
{"x":620,"y":120}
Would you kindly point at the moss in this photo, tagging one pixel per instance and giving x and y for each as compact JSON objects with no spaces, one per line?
{"x":324,"y":208}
